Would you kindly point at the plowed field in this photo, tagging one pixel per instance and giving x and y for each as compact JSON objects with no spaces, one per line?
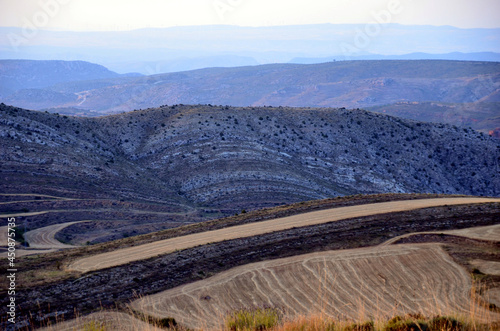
{"x":352,"y":284}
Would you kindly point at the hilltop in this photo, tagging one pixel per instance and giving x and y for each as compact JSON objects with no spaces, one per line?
{"x":481,"y":116}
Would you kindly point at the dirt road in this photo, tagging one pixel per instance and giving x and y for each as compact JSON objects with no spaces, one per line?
{"x":3,"y":236}
{"x":44,"y":238}
{"x":126,"y":255}
{"x":491,"y":233}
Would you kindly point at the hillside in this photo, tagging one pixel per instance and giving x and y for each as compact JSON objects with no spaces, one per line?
{"x":240,"y":158}
{"x":481,"y":116}
{"x":17,"y":75}
{"x":351,"y":84}
{"x":47,"y":287}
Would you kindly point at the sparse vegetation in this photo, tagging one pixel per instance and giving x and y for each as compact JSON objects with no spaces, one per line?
{"x":411,"y":322}
{"x":253,"y":320}
{"x":93,"y":326}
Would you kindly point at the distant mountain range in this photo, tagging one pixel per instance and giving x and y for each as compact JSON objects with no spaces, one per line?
{"x":240,"y":158}
{"x":155,"y":51}
{"x":454,"y":56}
{"x":461,"y":93}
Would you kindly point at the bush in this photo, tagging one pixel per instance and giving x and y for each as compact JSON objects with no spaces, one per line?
{"x":19,"y":236}
{"x":253,"y":320}
{"x":168,"y":322}
{"x":406,"y":324}
{"x":442,"y":323}
{"x":368,"y":326}
{"x":310,"y":325}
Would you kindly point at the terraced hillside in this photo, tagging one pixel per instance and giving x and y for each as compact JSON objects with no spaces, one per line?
{"x":46,"y":285}
{"x":382,"y":282}
{"x":56,"y":222}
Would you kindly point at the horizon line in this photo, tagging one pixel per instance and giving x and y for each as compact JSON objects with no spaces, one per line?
{"x":254,"y":27}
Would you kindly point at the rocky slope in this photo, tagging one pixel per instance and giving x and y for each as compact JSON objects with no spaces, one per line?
{"x":240,"y":158}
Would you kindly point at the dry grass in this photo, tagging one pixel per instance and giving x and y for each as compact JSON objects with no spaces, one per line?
{"x":272,"y":319}
{"x":104,"y":321}
{"x":344,"y":285}
{"x":439,"y":311}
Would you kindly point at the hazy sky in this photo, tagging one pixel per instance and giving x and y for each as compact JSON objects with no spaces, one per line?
{"x":103,"y":15}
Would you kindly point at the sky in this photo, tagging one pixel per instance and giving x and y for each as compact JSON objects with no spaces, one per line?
{"x":117,"y":15}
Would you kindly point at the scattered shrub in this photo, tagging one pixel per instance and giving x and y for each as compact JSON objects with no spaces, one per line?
{"x":368,"y":326}
{"x":406,"y":324}
{"x":444,"y":323}
{"x":168,"y":322}
{"x":253,"y":320}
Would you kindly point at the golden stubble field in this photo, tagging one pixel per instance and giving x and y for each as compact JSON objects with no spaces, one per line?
{"x":130,"y":254}
{"x":380,"y":282}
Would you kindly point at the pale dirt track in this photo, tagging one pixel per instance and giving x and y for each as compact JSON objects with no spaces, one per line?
{"x":34,"y":213}
{"x":126,"y":255}
{"x":41,"y":241}
{"x":34,"y":195}
{"x":131,"y":211}
{"x":44,"y":238}
{"x":351,"y":284}
{"x":487,"y":267}
{"x":19,"y":250}
{"x":490,"y":233}
{"x":3,"y":236}
{"x":25,"y":252}
{"x":24,"y":201}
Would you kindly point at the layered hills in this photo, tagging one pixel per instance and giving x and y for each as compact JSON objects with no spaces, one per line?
{"x":235,"y":158}
{"x":472,"y":87}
